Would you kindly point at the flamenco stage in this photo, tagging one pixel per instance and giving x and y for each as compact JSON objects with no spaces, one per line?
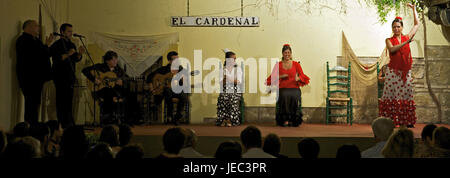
{"x":330,"y":137}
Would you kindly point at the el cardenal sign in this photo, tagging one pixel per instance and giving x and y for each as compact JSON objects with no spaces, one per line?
{"x":207,"y":21}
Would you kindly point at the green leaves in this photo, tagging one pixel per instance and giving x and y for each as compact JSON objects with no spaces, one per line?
{"x":384,"y":7}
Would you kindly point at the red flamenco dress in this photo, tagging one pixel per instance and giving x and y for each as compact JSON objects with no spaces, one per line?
{"x":397,"y":101}
{"x":289,"y":93}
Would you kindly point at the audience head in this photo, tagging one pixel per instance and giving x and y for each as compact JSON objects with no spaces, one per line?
{"x":23,"y":148}
{"x":382,"y":128}
{"x":348,"y":151}
{"x":191,"y":138}
{"x":125,"y":134}
{"x":21,"y":129}
{"x":251,"y":137}
{"x":229,"y":150}
{"x":272,"y":144}
{"x":441,"y":138}
{"x":400,"y":144}
{"x":55,"y":128}
{"x":173,"y":140}
{"x":73,"y":143}
{"x":308,"y":148}
{"x":40,"y":131}
{"x":17,"y":149}
{"x":109,"y":135}
{"x":101,"y":151}
{"x":131,"y":152}
{"x":427,"y":133}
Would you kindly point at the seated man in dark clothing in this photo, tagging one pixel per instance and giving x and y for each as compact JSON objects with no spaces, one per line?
{"x":168,"y":94}
{"x":108,"y":90}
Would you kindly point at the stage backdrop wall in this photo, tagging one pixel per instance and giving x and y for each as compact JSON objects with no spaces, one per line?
{"x":315,"y":38}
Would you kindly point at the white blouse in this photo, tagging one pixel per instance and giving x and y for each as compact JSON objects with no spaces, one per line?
{"x":234,"y":74}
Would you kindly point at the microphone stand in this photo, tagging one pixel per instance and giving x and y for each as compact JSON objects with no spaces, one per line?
{"x":94,"y":93}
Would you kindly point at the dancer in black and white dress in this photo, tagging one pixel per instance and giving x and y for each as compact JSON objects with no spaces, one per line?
{"x":228,"y":111}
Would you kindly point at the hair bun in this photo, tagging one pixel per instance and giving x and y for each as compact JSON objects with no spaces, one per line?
{"x":400,"y":18}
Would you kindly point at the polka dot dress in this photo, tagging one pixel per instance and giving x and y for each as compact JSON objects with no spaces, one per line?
{"x":228,"y":106}
{"x":397,"y":101}
{"x":229,"y":101}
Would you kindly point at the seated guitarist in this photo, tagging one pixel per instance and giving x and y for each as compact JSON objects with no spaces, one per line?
{"x":109,"y":96}
{"x":168,"y":95}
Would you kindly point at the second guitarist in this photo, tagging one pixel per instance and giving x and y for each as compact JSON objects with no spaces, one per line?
{"x":109,"y":96}
{"x":168,"y":95}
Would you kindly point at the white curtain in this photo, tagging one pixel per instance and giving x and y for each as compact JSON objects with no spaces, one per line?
{"x":138,"y":53}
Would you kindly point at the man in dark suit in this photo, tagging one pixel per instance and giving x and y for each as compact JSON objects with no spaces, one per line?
{"x":65,"y":56}
{"x":33,"y":67}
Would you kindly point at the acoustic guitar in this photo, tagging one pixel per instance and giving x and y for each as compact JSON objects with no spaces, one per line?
{"x":162,"y":81}
{"x":108,"y":80}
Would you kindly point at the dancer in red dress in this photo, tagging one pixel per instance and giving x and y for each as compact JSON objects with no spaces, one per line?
{"x":289,"y":77}
{"x":397,"y":102}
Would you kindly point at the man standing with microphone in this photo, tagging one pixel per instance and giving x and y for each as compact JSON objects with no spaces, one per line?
{"x":33,"y":67}
{"x":65,"y":56}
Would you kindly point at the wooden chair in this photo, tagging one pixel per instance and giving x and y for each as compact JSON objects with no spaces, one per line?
{"x":342,"y":82}
{"x":186,"y":115}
